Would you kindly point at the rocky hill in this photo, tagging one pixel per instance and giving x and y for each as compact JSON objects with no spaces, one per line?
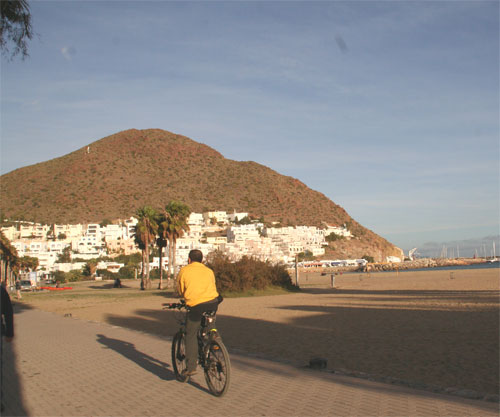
{"x":115,"y":175}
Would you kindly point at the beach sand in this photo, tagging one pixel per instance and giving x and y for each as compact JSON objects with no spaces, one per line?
{"x":434,"y":328}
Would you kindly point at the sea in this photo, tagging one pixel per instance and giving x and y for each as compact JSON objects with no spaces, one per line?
{"x":485,"y":265}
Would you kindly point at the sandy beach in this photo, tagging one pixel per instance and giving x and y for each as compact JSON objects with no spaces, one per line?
{"x":435,"y":328}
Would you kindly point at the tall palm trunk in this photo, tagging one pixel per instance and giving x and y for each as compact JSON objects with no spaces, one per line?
{"x":160,"y":284}
{"x":148,"y":280}
{"x":142,"y":270}
{"x":170,"y":259}
{"x":174,"y":263}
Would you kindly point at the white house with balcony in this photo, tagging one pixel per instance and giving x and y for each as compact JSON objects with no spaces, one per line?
{"x":69,"y":230}
{"x":195,"y":219}
{"x":130,"y":225}
{"x":243,"y":232}
{"x":33,"y":230}
{"x":340,"y":231}
{"x":219,"y":216}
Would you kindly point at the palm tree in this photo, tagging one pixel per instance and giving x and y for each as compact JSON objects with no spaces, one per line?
{"x":90,"y":268}
{"x":176,"y":215}
{"x":161,"y":242}
{"x":28,"y":263}
{"x":8,"y":258}
{"x":140,"y":244}
{"x":146,"y":230}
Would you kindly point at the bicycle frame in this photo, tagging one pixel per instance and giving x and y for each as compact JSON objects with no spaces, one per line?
{"x":205,"y":333}
{"x":212,"y":354}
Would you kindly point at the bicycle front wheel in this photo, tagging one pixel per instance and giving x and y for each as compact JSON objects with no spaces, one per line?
{"x":217,"y":368}
{"x":179,"y":355}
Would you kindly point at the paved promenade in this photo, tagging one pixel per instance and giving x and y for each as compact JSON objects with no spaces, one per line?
{"x":60,"y":366}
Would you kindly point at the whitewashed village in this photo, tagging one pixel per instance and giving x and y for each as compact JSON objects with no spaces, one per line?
{"x":209,"y":231}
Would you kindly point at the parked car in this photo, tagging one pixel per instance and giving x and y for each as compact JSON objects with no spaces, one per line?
{"x":26,"y":285}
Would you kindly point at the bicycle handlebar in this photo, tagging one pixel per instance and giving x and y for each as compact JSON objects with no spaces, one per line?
{"x":179,"y":306}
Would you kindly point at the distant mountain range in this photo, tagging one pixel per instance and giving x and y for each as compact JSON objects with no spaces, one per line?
{"x":480,"y":247}
{"x":112,"y":177}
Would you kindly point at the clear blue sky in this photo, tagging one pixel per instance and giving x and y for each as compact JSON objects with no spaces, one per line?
{"x":390,"y":109}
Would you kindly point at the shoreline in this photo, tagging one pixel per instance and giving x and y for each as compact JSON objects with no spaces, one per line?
{"x":415,"y":265}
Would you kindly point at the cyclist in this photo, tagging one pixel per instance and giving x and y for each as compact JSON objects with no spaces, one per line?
{"x":196,"y":284}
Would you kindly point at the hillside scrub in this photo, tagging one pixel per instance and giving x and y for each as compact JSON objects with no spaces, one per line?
{"x":247,"y":274}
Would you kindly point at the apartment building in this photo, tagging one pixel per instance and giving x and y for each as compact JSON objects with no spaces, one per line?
{"x":71,"y":231}
{"x":33,"y":230}
{"x":219,"y":216}
{"x":340,"y":231}
{"x":244,"y":232}
{"x":196,"y":219}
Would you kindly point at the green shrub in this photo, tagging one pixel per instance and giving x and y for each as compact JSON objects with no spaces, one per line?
{"x":247,"y":273}
{"x":126,"y":272}
{"x":105,"y":274}
{"x":370,"y":259}
{"x":60,"y":276}
{"x":75,"y":275}
{"x":332,"y":237}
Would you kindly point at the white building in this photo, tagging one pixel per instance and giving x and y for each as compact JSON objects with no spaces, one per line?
{"x":33,"y":230}
{"x":219,"y":216}
{"x":340,"y":231}
{"x":243,"y":232}
{"x":234,"y":217}
{"x":114,"y":232}
{"x":11,"y":233}
{"x":195,"y":219}
{"x":66,"y":267}
{"x":69,"y":230}
{"x":130,"y":225}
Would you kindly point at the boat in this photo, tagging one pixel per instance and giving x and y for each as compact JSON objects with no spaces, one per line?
{"x":494,"y":259}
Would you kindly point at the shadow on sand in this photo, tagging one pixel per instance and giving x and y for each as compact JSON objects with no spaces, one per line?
{"x":445,"y":347}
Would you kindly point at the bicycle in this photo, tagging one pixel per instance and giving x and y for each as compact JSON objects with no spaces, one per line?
{"x":212,"y":354}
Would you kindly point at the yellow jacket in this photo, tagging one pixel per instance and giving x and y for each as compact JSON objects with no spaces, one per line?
{"x":196,"y":284}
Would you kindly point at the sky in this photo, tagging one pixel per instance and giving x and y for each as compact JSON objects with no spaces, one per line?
{"x":389,"y":108}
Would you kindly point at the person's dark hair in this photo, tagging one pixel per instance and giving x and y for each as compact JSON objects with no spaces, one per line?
{"x":195,"y":255}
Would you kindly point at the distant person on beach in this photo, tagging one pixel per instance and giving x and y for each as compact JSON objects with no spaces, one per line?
{"x":196,"y":284}
{"x":18,"y":289}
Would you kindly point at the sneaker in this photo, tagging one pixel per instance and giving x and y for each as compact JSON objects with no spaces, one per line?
{"x":185,"y":374}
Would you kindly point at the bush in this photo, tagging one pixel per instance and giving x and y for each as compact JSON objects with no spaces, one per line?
{"x":369,"y":259}
{"x":332,"y":237}
{"x":105,"y":274}
{"x":126,"y":272}
{"x":60,"y":276}
{"x":75,"y":275}
{"x":247,"y":273}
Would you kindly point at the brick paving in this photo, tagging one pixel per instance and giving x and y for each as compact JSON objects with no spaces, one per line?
{"x":60,"y":366}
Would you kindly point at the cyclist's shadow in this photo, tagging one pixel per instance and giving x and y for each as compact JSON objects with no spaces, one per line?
{"x":153,"y":365}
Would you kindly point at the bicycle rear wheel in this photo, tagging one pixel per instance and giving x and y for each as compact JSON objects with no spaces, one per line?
{"x":217,"y":368}
{"x":179,"y":355}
